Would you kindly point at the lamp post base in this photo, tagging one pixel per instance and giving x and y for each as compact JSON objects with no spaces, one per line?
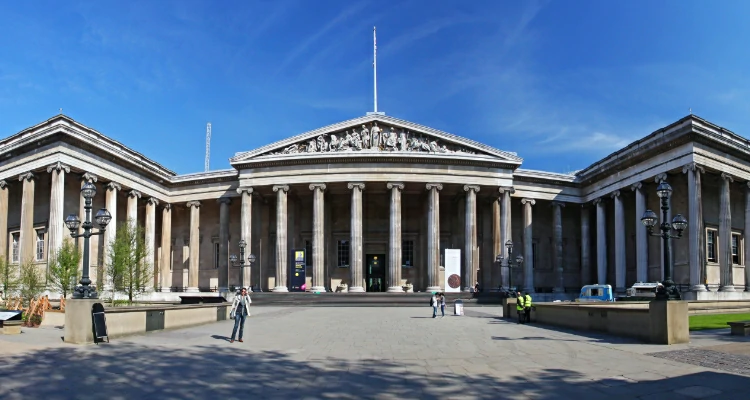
{"x":668,"y":291}
{"x":85,"y":292}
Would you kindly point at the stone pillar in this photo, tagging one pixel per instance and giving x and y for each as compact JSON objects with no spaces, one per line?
{"x":356,"y":266}
{"x":27,"y":241}
{"x":725,"y":235}
{"x":470,"y":237}
{"x":57,"y":229}
{"x":394,"y":239}
{"x":165,"y":261}
{"x":110,"y":202}
{"x":505,"y":229}
{"x":585,"y":245}
{"x":747,"y":229}
{"x":132,"y":215}
{"x":619,"y":243}
{"x":641,"y":235}
{"x":281,"y":238}
{"x":246,"y":232}
{"x":695,"y":226}
{"x":557,"y":239}
{"x":195,"y":242}
{"x":496,"y":272}
{"x":150,"y":232}
{"x":601,"y":242}
{"x":4,"y":219}
{"x":658,"y":179}
{"x":528,"y":249}
{"x":318,"y":239}
{"x":433,"y":237}
{"x":224,"y":203}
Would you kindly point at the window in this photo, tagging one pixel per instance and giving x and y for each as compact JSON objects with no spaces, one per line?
{"x":343,"y":253}
{"x":216,"y":255}
{"x":736,"y":249}
{"x":308,"y":253}
{"x":711,"y":245}
{"x":39,"y":245}
{"x":407,"y":253}
{"x":15,"y":247}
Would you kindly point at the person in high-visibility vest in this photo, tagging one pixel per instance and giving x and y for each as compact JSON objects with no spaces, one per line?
{"x":527,"y":307}
{"x":520,"y":300}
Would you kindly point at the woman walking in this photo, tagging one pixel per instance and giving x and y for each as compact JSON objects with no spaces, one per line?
{"x":442,"y":304}
{"x":240,"y":311}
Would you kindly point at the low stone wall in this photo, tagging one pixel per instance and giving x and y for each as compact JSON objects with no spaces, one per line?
{"x":124,"y":321}
{"x":719,"y":307}
{"x":658,"y":322}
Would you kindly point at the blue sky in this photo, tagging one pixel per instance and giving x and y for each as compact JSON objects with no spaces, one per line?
{"x":562,"y":83}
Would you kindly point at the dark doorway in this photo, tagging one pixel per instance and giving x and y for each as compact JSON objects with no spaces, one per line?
{"x":375,"y":273}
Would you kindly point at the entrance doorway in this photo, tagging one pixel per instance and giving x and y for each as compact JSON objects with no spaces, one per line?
{"x":375,"y":273}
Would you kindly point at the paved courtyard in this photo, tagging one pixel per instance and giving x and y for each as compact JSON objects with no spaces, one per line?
{"x":353,"y":353}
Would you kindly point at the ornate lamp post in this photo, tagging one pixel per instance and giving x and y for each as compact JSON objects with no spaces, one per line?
{"x":240,"y":262}
{"x":517,"y":263}
{"x":102,"y":218}
{"x":668,"y":290}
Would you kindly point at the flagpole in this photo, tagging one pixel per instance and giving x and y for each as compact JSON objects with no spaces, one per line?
{"x":375,"y":66}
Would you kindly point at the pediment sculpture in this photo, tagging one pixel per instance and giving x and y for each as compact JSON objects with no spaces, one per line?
{"x":374,"y":138}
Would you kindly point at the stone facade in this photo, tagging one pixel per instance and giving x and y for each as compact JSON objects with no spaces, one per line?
{"x":376,"y":200}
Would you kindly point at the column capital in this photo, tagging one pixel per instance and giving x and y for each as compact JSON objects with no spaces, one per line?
{"x":475,"y":188}
{"x":693,"y":166}
{"x":113,"y":186}
{"x":557,"y":204}
{"x":438,"y":186}
{"x":284,"y":188}
{"x":167,"y":206}
{"x":134,"y":193}
{"x":352,"y":185}
{"x":58,"y":166}
{"x":247,"y":190}
{"x":321,"y":186}
{"x":89,"y":177}
{"x":396,"y":185}
{"x":525,"y":201}
{"x":153,"y":201}
{"x":727,"y":177}
{"x":661,"y":177}
{"x":506,"y":189}
{"x":224,"y":200}
{"x":3,"y":184}
{"x":614,"y":194}
{"x":26,"y":176}
{"x":194,"y":203}
{"x":636,"y":186}
{"x":597,"y":201}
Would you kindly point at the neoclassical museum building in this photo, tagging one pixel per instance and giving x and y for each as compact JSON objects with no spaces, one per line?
{"x":374,"y":203}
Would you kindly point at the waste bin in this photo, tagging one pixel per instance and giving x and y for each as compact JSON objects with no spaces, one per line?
{"x":458,"y":307}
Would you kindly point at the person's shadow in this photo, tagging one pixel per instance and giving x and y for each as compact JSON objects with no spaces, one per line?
{"x":219,"y":337}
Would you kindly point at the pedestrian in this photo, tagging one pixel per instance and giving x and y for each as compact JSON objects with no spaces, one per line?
{"x":434,"y":305}
{"x":240,"y":311}
{"x":527,"y":307}
{"x":519,"y":307}
{"x":442,"y":304}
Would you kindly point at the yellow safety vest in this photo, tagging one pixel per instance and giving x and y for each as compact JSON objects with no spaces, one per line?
{"x":519,"y":303}
{"x":527,"y":302}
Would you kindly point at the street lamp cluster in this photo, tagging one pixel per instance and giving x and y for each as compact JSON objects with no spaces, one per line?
{"x":102,"y":218}
{"x":517,"y":263}
{"x":668,"y":290}
{"x":240,"y":262}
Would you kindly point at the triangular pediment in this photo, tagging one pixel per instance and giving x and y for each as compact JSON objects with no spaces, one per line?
{"x":375,"y":135}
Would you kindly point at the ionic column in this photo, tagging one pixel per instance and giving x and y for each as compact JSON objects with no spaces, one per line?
{"x":318,"y":241}
{"x":246,"y":220}
{"x":641,"y":235}
{"x":585,"y":245}
{"x":433,"y":237}
{"x":470,"y":237}
{"x":528,"y":248}
{"x":356,"y":267}
{"x":747,"y":229}
{"x":601,"y":242}
{"x":725,"y":235}
{"x":695,"y":226}
{"x":56,"y":223}
{"x":3,"y":218}
{"x":132,"y":214}
{"x":658,"y":179}
{"x":150,"y":231}
{"x":165,"y":261}
{"x":505,"y":232}
{"x":195,"y":242}
{"x":224,"y":203}
{"x":394,"y":239}
{"x":110,"y":202}
{"x":281,"y":238}
{"x":619,"y":243}
{"x":28,"y":236}
{"x":557,"y":239}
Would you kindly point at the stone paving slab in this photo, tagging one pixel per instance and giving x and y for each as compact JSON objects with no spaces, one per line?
{"x":355,"y":353}
{"x":735,"y":363}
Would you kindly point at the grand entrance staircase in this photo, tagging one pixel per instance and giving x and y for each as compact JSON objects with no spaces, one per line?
{"x":370,"y":299}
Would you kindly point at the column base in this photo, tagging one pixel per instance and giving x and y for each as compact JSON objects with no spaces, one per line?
{"x":467,"y":290}
{"x":166,"y":290}
{"x":432,"y":289}
{"x":395,"y":289}
{"x":727,"y":288}
{"x":356,"y":289}
{"x":561,"y":290}
{"x":321,"y":289}
{"x":192,"y":290}
{"x":698,"y":288}
{"x":280,"y":289}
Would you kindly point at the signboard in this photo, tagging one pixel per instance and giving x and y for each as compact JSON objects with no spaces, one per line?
{"x":452,"y":270}
{"x":100,"y":323}
{"x":298,"y":271}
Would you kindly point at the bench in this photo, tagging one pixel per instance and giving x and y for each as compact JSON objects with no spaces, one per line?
{"x":740,"y":328}
{"x":12,"y":327}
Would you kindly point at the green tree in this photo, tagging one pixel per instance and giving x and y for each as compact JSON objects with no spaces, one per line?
{"x":127,"y":267}
{"x":63,"y":268}
{"x":8,"y":276}
{"x":31,"y":281}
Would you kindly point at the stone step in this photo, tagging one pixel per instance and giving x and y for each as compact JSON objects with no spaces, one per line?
{"x":369,"y":299}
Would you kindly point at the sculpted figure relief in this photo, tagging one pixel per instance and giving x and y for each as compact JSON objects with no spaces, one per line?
{"x":373,"y":138}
